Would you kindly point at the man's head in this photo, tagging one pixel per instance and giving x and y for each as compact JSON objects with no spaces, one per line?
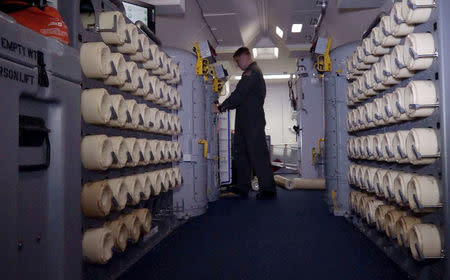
{"x":243,"y":58}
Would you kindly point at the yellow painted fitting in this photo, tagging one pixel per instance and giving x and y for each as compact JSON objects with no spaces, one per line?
{"x":319,"y":146}
{"x":205,"y":147}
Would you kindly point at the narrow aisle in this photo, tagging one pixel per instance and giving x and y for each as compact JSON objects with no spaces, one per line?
{"x":293,"y":237}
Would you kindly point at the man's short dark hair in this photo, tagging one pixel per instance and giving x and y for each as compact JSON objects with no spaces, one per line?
{"x":241,"y":51}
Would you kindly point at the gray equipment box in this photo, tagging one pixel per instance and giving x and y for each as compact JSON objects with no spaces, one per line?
{"x":39,"y":155}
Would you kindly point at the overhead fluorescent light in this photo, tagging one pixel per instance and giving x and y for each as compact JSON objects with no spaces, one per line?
{"x":265,"y":53}
{"x":296,"y":28}
{"x":270,"y":76}
{"x":279,"y":32}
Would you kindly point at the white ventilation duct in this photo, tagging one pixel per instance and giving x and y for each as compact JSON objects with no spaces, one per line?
{"x":422,"y":146}
{"x":97,"y":245}
{"x":96,"y":106}
{"x":109,"y":21}
{"x":120,"y":233}
{"x":95,"y":60}
{"x":96,"y":152}
{"x":96,"y":199}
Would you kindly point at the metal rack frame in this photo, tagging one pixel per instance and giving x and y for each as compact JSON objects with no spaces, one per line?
{"x":161,"y":207}
{"x":428,"y":269}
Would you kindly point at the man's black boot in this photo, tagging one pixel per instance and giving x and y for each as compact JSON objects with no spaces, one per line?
{"x":263,"y":195}
{"x":238,"y":191}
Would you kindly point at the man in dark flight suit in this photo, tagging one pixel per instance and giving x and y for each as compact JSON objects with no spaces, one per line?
{"x":250,"y":138}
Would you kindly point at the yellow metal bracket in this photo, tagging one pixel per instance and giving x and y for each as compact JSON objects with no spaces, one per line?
{"x":205,"y":147}
{"x":202,"y":65}
{"x":323,"y":63}
{"x":321,"y":140}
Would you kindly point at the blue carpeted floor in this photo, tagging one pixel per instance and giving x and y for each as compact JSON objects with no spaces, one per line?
{"x":293,"y":237}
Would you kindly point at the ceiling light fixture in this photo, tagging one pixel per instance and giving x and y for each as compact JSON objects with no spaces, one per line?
{"x":279,"y":32}
{"x":296,"y":28}
{"x":265,"y":53}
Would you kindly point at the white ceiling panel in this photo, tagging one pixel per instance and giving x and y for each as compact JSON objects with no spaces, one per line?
{"x":225,"y":28}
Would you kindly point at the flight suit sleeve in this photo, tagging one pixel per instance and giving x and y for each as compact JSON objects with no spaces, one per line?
{"x":241,"y":92}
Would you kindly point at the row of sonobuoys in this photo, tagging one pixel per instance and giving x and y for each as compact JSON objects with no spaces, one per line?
{"x":416,"y":54}
{"x":99,"y":198}
{"x":128,"y":39}
{"x":101,"y":152}
{"x":97,"y":62}
{"x":418,"y":192}
{"x":400,"y":23}
{"x":98,"y":243}
{"x":424,"y":240}
{"x":417,"y":100}
{"x":101,"y":108}
{"x":417,"y":146}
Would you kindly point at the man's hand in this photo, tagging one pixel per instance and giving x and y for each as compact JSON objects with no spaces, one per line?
{"x":215,"y":109}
